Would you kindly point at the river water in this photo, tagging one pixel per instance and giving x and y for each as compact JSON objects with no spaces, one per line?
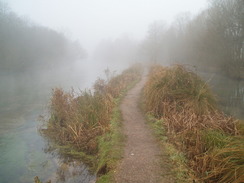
{"x":229,"y":93}
{"x":23,"y":156}
{"x":23,"y":152}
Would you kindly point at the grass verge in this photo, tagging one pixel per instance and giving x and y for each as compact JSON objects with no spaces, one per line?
{"x":111,"y":145}
{"x":211,"y":141}
{"x":178,"y":160}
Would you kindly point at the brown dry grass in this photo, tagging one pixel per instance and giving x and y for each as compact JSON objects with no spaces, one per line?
{"x":78,"y":121}
{"x":189,"y":112}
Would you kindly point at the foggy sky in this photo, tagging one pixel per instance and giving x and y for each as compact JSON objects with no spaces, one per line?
{"x":90,"y":21}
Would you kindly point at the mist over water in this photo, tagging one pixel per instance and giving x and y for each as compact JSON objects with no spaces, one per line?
{"x":23,"y":98}
{"x":34,"y":59}
{"x":22,"y":148}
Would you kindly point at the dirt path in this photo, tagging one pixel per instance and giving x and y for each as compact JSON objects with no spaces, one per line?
{"x":142,"y":154}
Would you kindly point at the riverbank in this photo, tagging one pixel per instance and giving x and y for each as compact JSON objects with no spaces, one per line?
{"x":86,"y":127}
{"x":209,"y":142}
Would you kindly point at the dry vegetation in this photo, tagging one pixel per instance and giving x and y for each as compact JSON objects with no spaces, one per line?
{"x":83,"y":122}
{"x":211,"y":141}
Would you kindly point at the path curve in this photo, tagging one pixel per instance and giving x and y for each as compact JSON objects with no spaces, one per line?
{"x":142,"y":154}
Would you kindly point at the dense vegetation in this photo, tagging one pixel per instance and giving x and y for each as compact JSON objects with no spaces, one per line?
{"x":86,"y":125}
{"x":29,"y":54}
{"x":211,"y":141}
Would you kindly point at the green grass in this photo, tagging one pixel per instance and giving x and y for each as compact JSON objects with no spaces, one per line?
{"x":215,"y":139}
{"x":180,"y":170}
{"x":110,"y":149}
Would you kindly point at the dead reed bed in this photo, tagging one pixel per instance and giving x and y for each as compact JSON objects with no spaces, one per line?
{"x":78,"y":121}
{"x":210,"y":139}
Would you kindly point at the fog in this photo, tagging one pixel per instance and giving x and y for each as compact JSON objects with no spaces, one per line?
{"x":91,"y":21}
{"x":46,"y":44}
{"x":58,"y":43}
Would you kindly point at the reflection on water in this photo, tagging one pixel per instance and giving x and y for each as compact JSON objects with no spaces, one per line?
{"x":22,"y":155}
{"x":73,"y":172}
{"x":229,"y":92}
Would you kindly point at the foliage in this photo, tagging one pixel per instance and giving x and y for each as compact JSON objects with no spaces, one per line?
{"x":193,"y":123}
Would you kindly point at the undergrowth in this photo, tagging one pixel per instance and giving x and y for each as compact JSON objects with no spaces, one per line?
{"x":86,"y":126}
{"x":211,"y":141}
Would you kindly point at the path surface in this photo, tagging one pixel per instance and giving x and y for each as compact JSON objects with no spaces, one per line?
{"x":142,"y":154}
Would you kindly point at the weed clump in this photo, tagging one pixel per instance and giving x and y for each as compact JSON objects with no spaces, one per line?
{"x":193,"y":122}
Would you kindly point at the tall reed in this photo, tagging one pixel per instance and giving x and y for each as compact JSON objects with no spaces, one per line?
{"x":77,"y":121}
{"x":194,"y":123}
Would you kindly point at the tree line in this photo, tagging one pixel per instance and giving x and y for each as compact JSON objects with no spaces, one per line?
{"x":214,"y":39}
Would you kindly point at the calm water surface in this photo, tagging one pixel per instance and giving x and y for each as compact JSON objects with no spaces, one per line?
{"x":229,"y":93}
{"x":23,"y":156}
